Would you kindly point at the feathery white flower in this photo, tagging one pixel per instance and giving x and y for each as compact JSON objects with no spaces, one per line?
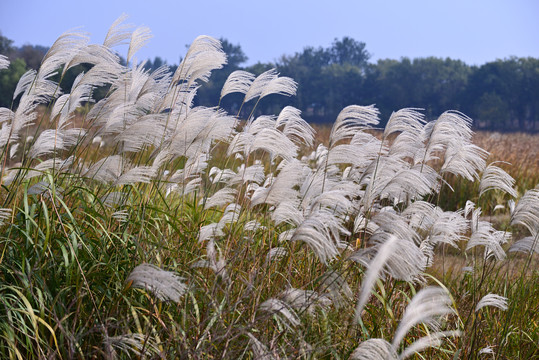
{"x":118,"y":32}
{"x":238,"y":81}
{"x":5,"y":214}
{"x":139,"y":344}
{"x":139,"y":38}
{"x":483,"y":234}
{"x":260,"y":351}
{"x":4,"y":62}
{"x":526,"y":212}
{"x":526,"y":245}
{"x":492,"y":300}
{"x":280,"y":85}
{"x":279,"y":307}
{"x":352,"y":119}
{"x":165,"y":285}
{"x":259,"y":84}
{"x":496,"y":178}
{"x":304,"y":300}
{"x":204,"y":55}
{"x":295,"y":128}
{"x":426,"y":306}
{"x":373,"y":272}
{"x":374,"y":349}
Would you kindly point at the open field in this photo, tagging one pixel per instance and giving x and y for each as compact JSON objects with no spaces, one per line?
{"x":141,"y":226}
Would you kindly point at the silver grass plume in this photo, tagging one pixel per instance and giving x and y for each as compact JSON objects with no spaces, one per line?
{"x":373,"y":272}
{"x":259,"y":84}
{"x":165,"y":285}
{"x":295,"y":128}
{"x":526,"y":212}
{"x":484,"y":234}
{"x":427,"y":306}
{"x":528,"y":244}
{"x":139,"y":38}
{"x":4,"y":62}
{"x":118,"y":32}
{"x":374,"y":349}
{"x":304,"y":300}
{"x":238,"y":81}
{"x":280,"y":85}
{"x":492,"y":300}
{"x":204,"y":55}
{"x":282,"y":309}
{"x":5,"y":214}
{"x":351,"y":119}
{"x":260,"y":351}
{"x":139,"y":344}
{"x":496,"y":178}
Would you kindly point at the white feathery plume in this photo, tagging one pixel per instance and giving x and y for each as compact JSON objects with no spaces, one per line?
{"x":466,"y":160}
{"x":138,"y":174}
{"x":374,"y":349}
{"x":165,"y":285}
{"x":118,"y":32}
{"x":260,"y":351}
{"x":431,"y":340}
{"x":275,"y":143}
{"x":107,"y":169}
{"x":204,"y":55}
{"x":350,"y":120}
{"x":427,"y":306}
{"x":5,"y":214}
{"x":279,"y":307}
{"x":259,"y":84}
{"x":408,"y":120}
{"x":276,"y":253}
{"x":496,"y":178}
{"x":526,"y":211}
{"x":139,"y":38}
{"x":238,"y":81}
{"x":389,"y":221}
{"x":61,"y":53}
{"x":486,"y":350}
{"x":288,"y":212}
{"x":337,"y":288}
{"x":373,"y":272}
{"x":210,"y":231}
{"x":483,"y":234}
{"x":139,"y":344}
{"x":6,"y":115}
{"x":304,"y":300}
{"x":492,"y":300}
{"x":24,"y":83}
{"x":280,"y":85}
{"x":147,"y":131}
{"x":54,"y":163}
{"x":526,"y":245}
{"x":280,"y":188}
{"x":221,"y":198}
{"x":4,"y":62}
{"x":50,"y":141}
{"x":295,"y":128}
{"x":322,"y":231}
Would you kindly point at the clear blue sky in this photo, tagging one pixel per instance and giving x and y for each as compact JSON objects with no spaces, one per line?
{"x":473,"y":31}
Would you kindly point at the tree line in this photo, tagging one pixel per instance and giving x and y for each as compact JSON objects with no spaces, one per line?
{"x":501,"y":95}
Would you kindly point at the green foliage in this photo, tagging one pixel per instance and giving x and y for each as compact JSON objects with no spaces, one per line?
{"x":8,"y":81}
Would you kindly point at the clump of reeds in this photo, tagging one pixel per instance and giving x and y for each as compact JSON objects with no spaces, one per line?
{"x":159,"y":229}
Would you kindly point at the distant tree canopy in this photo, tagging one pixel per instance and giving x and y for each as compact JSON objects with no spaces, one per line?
{"x":500,"y":95}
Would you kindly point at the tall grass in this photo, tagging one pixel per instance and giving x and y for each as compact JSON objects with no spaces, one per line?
{"x":147,"y":227}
